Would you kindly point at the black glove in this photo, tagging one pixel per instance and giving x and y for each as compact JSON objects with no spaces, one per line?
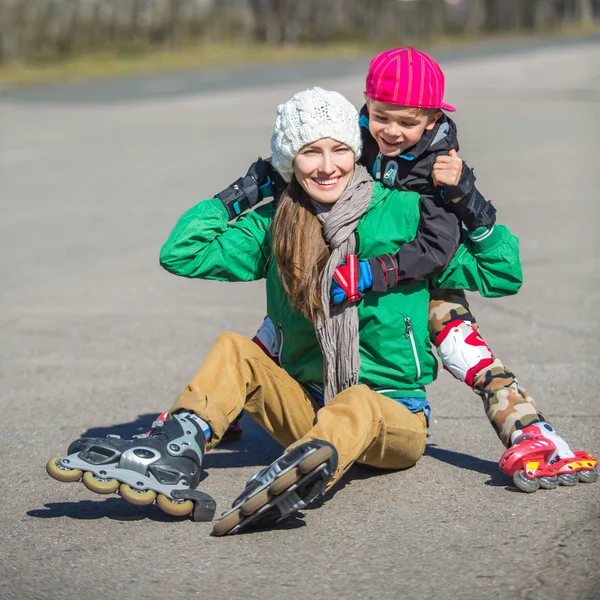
{"x":467,"y":203}
{"x":261,"y":181}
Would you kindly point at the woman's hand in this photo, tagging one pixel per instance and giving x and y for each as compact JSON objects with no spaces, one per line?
{"x":447,"y":169}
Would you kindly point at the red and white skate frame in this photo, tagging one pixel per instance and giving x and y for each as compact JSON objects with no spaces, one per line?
{"x":528,"y":464}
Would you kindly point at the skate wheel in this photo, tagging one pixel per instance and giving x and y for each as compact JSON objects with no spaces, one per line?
{"x":549,"y":482}
{"x":137,"y":497}
{"x":228,"y":522}
{"x":255,"y":503}
{"x":524,"y":484}
{"x":311,"y":462}
{"x":588,"y":476}
{"x":285,"y":481}
{"x":176,"y":508}
{"x":315,"y":459}
{"x":568,"y":479}
{"x":99,"y":485}
{"x":57,"y":471}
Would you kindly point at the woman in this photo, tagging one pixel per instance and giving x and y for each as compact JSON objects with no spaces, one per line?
{"x":351,"y":382}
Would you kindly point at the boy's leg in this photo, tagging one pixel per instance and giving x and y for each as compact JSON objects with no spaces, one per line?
{"x":237,"y":375}
{"x":454,"y":331}
{"x":536,"y":455}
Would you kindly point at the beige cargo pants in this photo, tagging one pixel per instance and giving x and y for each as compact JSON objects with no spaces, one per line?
{"x":364,"y":426}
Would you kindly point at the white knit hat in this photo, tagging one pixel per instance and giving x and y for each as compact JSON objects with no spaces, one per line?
{"x":309,"y":116}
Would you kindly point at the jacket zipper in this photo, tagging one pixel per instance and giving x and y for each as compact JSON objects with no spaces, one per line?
{"x":409,"y":333}
{"x":280,"y":336}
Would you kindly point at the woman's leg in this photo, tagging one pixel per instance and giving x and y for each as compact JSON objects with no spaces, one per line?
{"x":165,"y":464}
{"x":236,"y":374}
{"x":454,"y":331}
{"x":357,"y":424}
{"x":370,"y":428}
{"x":266,"y":338}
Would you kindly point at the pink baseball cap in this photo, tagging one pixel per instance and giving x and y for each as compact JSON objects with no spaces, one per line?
{"x":407,"y":77}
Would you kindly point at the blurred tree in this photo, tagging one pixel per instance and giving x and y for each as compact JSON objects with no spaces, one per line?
{"x":31,"y":28}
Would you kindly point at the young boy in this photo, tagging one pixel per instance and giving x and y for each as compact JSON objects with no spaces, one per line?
{"x":410,"y":143}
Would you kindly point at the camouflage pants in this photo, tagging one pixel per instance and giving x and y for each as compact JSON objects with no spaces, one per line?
{"x":507,"y":405}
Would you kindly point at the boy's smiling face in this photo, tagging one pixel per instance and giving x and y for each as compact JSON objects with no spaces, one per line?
{"x":398,"y":128}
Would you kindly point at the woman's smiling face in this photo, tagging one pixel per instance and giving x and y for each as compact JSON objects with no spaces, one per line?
{"x":324,"y":169}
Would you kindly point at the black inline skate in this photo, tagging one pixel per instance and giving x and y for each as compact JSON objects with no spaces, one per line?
{"x":163,"y":465}
{"x":286,"y":485}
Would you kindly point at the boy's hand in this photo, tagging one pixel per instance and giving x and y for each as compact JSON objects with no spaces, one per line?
{"x":447,"y":169}
{"x":350,"y":280}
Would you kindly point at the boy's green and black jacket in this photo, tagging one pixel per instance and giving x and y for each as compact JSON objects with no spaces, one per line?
{"x":439,"y":231}
{"x":394,"y":341}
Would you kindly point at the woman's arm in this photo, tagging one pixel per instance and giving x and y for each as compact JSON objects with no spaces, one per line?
{"x":204,"y":244}
{"x":486,"y":261}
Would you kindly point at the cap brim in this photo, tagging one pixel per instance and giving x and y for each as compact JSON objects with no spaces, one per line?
{"x":447,"y":107}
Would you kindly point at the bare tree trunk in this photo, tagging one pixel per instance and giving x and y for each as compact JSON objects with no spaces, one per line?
{"x":477,"y":17}
{"x":586,"y":11}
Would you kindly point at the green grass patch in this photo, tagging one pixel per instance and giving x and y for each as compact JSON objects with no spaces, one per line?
{"x":104,"y":64}
{"x":44,"y":69}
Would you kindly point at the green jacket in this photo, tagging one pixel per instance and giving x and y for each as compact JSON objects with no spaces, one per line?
{"x":395,"y":349}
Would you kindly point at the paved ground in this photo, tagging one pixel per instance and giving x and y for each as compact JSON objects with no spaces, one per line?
{"x":96,"y":338}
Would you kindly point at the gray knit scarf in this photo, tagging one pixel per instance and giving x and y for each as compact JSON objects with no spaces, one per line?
{"x":337,"y":331}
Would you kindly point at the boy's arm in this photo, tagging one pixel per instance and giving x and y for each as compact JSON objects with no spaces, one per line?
{"x":435,"y":243}
{"x":487,"y":261}
{"x":204,"y":244}
{"x":260,"y":182}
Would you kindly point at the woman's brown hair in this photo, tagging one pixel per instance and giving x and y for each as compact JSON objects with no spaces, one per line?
{"x":299,"y":249}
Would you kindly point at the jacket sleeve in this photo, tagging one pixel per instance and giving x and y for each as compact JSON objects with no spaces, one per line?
{"x":434,"y":245}
{"x":487,"y":261}
{"x":203,"y":244}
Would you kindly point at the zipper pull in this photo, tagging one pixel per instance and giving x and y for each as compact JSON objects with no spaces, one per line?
{"x":408,"y":325}
{"x":280,"y":335}
{"x":377,"y":166}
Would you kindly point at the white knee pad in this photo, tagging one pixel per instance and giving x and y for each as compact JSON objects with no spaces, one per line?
{"x":462,"y":351}
{"x":266,"y":338}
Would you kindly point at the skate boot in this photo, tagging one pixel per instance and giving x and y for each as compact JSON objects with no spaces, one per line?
{"x":288,"y":484}
{"x":162,"y":465}
{"x":539,"y":457}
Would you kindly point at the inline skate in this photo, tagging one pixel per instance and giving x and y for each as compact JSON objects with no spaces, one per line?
{"x":288,"y":484}
{"x":539,"y":457}
{"x":163,"y":465}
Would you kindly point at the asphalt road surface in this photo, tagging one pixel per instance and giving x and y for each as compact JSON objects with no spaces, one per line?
{"x":96,"y":338}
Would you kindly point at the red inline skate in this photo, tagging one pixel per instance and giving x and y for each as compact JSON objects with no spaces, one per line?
{"x":539,"y":457}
